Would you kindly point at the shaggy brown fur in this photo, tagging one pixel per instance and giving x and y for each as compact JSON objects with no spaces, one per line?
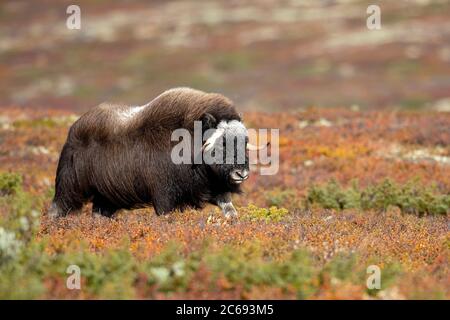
{"x":119,"y":160}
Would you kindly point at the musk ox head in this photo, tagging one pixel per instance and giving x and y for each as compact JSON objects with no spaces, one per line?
{"x":225,"y":150}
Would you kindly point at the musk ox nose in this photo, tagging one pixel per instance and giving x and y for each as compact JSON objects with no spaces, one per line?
{"x":240,"y":175}
{"x":243,"y":174}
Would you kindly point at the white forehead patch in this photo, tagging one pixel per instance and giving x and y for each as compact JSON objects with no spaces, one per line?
{"x":226,"y":130}
{"x":233,"y":128}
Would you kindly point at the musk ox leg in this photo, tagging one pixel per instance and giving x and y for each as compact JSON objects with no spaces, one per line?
{"x":163,"y":204}
{"x":62,"y":206}
{"x":60,"y":209}
{"x":224,"y":202}
{"x":102,"y":207}
{"x":68,"y":197}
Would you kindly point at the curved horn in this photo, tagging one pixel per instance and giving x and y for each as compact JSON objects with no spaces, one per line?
{"x":209,"y":143}
{"x":252,"y":147}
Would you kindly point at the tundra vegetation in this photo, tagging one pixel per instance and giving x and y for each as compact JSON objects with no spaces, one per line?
{"x":355,"y":188}
{"x":349,"y":194}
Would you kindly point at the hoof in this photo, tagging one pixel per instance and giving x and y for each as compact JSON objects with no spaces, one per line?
{"x":54,"y":211}
{"x":231,"y":215}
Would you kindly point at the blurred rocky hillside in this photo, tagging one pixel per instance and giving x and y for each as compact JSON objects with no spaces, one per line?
{"x":266,"y":55}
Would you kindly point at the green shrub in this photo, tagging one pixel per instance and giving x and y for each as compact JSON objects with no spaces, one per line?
{"x":342,"y":267}
{"x":23,"y":215}
{"x":10,"y":183}
{"x":333,"y":196}
{"x":280,"y":198}
{"x":249,"y":268}
{"x":271,"y":214}
{"x":170,"y":270}
{"x":109,"y":274}
{"x":409,"y":198}
{"x":346,"y":267}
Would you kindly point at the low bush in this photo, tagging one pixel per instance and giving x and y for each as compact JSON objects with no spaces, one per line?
{"x":273,"y":213}
{"x":281,"y":198}
{"x":19,"y":210}
{"x":411,"y":197}
{"x":10,"y":183}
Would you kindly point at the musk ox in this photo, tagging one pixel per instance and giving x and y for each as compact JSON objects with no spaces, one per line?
{"x":119,"y":157}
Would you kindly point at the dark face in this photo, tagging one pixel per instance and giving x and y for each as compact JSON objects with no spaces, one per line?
{"x":227,"y":145}
{"x":234,"y":167}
